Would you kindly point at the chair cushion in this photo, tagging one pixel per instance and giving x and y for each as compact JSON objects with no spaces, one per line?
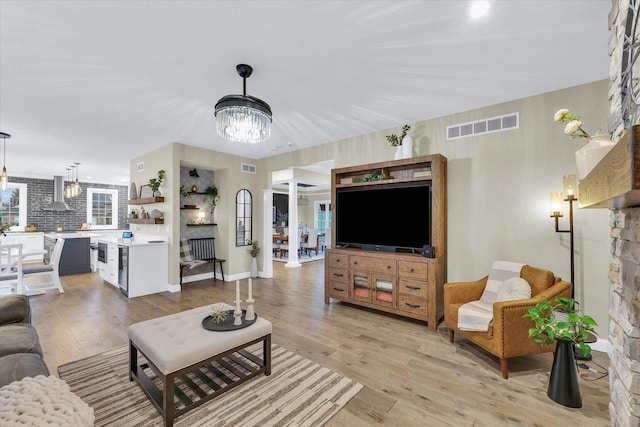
{"x":500,"y":271}
{"x":37,"y":269}
{"x":514,"y":288}
{"x":19,"y":338}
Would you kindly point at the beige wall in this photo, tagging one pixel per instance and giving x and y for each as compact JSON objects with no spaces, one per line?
{"x":498,"y":190}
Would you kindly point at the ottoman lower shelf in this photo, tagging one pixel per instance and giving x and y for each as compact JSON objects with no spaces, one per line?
{"x":203,"y":380}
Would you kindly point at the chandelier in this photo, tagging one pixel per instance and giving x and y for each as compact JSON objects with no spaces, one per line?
{"x":243,"y":118}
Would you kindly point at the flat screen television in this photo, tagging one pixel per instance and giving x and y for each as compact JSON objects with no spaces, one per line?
{"x":397,"y":216}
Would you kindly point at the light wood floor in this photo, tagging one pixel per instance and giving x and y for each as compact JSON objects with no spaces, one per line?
{"x":411,"y":376}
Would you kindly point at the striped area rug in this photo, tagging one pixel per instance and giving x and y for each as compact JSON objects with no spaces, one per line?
{"x":298,"y":392}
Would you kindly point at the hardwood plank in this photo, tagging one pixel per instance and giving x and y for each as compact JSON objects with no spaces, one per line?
{"x":411,"y":376}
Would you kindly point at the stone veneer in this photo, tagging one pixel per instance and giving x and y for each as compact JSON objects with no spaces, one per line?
{"x":624,"y":270}
{"x":624,"y":318}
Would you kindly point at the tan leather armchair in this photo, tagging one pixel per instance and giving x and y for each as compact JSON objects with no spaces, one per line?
{"x":508,"y":334}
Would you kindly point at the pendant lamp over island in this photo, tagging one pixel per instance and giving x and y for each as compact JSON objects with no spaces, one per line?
{"x":4,"y":178}
{"x":243,"y":118}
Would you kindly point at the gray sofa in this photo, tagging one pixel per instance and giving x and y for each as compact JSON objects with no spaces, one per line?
{"x":20,"y":351}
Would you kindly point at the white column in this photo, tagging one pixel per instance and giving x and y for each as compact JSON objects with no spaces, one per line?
{"x":267,"y":239}
{"x":294,"y":245}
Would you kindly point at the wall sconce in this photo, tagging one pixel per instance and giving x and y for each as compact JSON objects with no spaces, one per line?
{"x":201,"y":217}
{"x":557,"y":199}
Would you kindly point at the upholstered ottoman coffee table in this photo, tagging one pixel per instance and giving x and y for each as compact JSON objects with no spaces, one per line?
{"x":187,"y":365}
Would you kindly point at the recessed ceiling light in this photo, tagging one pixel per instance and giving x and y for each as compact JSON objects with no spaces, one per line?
{"x":478,"y":9}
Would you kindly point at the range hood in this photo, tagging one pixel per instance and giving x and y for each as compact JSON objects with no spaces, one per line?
{"x":58,"y":203}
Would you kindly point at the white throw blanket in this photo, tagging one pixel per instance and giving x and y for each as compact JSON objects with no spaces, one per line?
{"x":476,"y":315}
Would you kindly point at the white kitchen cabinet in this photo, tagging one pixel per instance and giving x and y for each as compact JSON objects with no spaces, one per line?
{"x":30,"y":241}
{"x":109,"y":270}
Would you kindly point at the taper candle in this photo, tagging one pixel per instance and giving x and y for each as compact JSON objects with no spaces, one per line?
{"x":237,"y":290}
{"x":250,"y":288}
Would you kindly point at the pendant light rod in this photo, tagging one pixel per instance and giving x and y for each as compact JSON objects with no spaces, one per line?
{"x":4,"y":178}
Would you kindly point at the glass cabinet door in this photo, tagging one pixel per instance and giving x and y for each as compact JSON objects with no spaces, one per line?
{"x":384,"y":290}
{"x":360,"y":289}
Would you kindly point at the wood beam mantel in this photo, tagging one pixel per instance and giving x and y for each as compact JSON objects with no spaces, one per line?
{"x":615,"y":182}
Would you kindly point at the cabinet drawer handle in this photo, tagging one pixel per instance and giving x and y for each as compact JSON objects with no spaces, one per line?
{"x":338,"y":274}
{"x":411,"y":270}
{"x":338,"y":289}
{"x":388,"y":267}
{"x":338,"y":260}
{"x":415,"y":288}
{"x":412,"y":305}
{"x":355,"y":262}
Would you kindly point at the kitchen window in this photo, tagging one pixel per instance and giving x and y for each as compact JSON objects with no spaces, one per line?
{"x":102,"y":208}
{"x":13,"y":206}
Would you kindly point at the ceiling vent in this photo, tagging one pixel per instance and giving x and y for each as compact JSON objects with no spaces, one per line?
{"x":490,"y":125}
{"x":247,"y":168}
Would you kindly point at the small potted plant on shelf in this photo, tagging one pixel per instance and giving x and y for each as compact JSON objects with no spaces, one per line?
{"x":212,"y":192}
{"x":155,"y":183}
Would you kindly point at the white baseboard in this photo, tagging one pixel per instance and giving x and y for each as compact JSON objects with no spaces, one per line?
{"x":600,"y":345}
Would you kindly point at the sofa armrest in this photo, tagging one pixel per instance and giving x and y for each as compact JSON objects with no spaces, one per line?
{"x":462,"y":292}
{"x":14,"y":309}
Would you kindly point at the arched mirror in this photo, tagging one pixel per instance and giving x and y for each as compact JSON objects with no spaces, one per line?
{"x":244,"y":222}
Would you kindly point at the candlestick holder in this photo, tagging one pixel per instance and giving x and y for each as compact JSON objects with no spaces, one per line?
{"x":250,"y":313}
{"x":237,"y":314}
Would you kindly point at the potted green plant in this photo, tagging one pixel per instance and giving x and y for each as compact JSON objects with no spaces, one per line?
{"x":254,"y":250}
{"x":155,"y":183}
{"x":558,"y":321}
{"x":4,"y":228}
{"x":212,"y":192}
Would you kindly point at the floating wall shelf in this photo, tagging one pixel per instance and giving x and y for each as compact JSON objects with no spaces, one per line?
{"x":146,"y":200}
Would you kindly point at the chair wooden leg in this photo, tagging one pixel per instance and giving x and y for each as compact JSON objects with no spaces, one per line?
{"x":451,"y":333}
{"x":504,"y":367}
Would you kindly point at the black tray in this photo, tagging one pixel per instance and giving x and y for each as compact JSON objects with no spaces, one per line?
{"x":227,"y":324}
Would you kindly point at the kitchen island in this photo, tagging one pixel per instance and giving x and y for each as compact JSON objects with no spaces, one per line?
{"x":75,"y":258}
{"x":137,"y":266}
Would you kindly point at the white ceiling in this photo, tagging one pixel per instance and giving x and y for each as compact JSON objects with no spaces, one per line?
{"x":100,"y":82}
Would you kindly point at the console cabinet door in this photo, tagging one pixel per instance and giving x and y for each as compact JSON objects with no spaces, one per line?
{"x":384,"y":290}
{"x":359,"y":286}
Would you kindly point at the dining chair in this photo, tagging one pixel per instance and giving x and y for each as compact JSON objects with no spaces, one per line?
{"x":50,"y":271}
{"x":312,"y":241}
{"x":11,"y":268}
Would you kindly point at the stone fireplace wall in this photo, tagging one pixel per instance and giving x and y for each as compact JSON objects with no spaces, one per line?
{"x":624,"y":270}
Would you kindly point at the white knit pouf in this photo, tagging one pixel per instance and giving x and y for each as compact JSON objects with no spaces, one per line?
{"x":42,"y":401}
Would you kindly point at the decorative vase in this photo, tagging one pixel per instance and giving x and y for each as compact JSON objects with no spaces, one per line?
{"x":590,"y":155}
{"x":254,"y":267}
{"x":407,"y":147}
{"x":194,"y":188}
{"x":563,"y":383}
{"x":133,"y":191}
{"x":157,"y":194}
{"x":398,"y":154}
{"x":155,"y":214}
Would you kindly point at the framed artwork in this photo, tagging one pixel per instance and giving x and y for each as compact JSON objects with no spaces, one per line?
{"x":145,"y":191}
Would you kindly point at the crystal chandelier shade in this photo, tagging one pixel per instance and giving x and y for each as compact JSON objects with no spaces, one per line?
{"x":243,"y":118}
